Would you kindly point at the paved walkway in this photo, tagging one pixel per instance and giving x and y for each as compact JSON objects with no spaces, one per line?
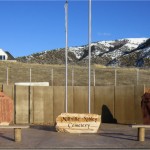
{"x":109,"y":136}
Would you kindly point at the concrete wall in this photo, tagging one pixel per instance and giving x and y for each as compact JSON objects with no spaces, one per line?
{"x":34,"y":104}
{"x":41,"y":105}
{"x":139,"y":90}
{"x":8,"y":90}
{"x":124,"y":104}
{"x":59,"y":99}
{"x":21,"y":104}
{"x":104,"y":103}
{"x":1,"y":87}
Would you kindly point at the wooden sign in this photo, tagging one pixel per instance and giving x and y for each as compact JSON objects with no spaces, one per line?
{"x":78,"y":123}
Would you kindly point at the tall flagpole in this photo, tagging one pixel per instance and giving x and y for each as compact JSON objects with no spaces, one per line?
{"x":66,"y":56}
{"x":89,"y":92}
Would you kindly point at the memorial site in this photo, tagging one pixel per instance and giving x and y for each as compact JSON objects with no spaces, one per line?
{"x":94,"y":96}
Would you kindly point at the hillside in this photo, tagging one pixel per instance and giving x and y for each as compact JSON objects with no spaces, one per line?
{"x":133,"y":52}
{"x":12,"y":72}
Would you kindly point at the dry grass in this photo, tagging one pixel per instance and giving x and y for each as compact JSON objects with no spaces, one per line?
{"x":77,"y":75}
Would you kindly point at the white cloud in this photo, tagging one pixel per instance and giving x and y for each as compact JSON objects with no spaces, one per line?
{"x":104,"y":34}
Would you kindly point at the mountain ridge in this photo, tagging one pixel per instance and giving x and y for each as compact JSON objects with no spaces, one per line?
{"x":133,"y":52}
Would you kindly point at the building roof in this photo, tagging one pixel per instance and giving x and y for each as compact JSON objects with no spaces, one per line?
{"x":10,"y":57}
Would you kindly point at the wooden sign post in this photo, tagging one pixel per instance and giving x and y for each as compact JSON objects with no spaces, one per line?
{"x":78,"y":123}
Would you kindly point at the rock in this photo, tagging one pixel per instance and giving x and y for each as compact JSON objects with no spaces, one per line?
{"x":145,"y":106}
{"x":78,"y":123}
{"x":6,"y":109}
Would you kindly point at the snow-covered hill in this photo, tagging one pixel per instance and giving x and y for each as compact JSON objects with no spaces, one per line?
{"x":122,"y":52}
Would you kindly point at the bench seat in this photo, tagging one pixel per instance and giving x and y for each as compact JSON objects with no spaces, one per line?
{"x":17,"y":130}
{"x":141,"y":131}
{"x":140,"y":126}
{"x":14,"y":126}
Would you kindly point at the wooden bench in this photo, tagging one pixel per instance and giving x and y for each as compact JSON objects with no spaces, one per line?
{"x":141,"y":131}
{"x":17,"y":130}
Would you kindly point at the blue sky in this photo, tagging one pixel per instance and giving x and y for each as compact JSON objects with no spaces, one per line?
{"x":27,"y":27}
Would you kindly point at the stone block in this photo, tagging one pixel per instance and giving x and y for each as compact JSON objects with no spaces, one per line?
{"x":78,"y":123}
{"x":6,"y":109}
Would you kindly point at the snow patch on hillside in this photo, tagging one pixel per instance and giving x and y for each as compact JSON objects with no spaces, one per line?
{"x":103,"y":47}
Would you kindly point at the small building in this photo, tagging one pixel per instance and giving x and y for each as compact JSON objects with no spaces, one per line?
{"x":4,"y":55}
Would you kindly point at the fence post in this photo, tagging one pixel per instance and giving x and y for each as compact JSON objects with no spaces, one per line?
{"x":115,"y":77}
{"x":30,"y":75}
{"x":94,"y":76}
{"x":73,"y":76}
{"x":7,"y":76}
{"x":137,"y":76}
{"x":52,"y":77}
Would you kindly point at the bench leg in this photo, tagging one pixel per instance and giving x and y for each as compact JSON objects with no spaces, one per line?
{"x":141,"y":134}
{"x":17,"y":134}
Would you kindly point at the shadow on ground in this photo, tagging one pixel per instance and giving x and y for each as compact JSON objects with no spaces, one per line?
{"x":5,"y":137}
{"x":119,"y":136}
{"x":44,"y":127}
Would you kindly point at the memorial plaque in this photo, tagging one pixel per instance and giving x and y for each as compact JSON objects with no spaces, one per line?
{"x":78,"y":123}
